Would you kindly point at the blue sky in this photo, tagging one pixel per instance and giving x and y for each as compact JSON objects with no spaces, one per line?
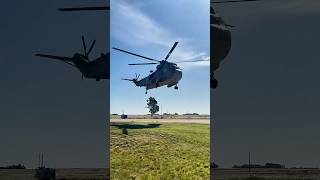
{"x":150,"y":29}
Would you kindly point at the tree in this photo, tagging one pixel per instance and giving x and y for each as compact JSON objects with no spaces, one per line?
{"x":152,"y":105}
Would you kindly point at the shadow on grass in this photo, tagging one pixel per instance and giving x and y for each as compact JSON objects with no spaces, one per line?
{"x":125,"y":127}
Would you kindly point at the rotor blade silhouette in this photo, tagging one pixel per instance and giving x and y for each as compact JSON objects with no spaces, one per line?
{"x":127,"y":79}
{"x":173,"y":47}
{"x":142,"y":64}
{"x":84,"y":46}
{"x":91,"y":47}
{"x":191,"y":61}
{"x":85,"y":8}
{"x":135,"y":54}
{"x":137,"y":76}
{"x":232,"y":1}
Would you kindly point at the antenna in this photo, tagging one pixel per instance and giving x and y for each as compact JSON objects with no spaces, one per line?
{"x":39,"y":160}
{"x":42,"y":160}
{"x":249,"y":162}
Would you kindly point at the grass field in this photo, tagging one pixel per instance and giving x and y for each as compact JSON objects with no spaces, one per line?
{"x":160,"y":151}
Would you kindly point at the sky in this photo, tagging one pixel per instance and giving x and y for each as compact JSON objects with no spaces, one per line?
{"x":45,"y":106}
{"x":268,"y":96}
{"x":150,"y":28}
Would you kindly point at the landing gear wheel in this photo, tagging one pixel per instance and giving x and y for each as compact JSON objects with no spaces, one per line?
{"x":213,"y":83}
{"x":176,"y":87}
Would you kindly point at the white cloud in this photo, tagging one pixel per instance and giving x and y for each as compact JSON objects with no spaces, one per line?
{"x":132,"y":26}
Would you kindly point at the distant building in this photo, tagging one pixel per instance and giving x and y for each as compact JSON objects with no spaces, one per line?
{"x":43,"y":173}
{"x":273,"y":165}
{"x":188,"y":114}
{"x":124,"y":116}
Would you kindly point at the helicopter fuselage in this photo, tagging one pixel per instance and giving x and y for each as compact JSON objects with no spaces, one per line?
{"x":167,"y":74}
{"x":220,"y":44}
{"x":96,"y":69}
{"x":220,"y":41}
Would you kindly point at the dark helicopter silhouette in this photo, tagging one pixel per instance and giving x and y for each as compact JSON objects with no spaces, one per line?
{"x":220,"y":35}
{"x":98,"y":68}
{"x":92,"y":69}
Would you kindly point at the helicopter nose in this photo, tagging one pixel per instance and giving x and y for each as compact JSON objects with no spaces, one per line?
{"x":178,"y":74}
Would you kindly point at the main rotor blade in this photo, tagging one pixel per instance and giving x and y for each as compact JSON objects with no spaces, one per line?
{"x":232,"y":1}
{"x":135,"y":54}
{"x":173,"y":47}
{"x":191,"y":61}
{"x":142,"y":63}
{"x":85,"y":8}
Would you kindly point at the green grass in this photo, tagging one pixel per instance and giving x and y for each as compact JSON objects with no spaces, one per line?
{"x":166,"y":151}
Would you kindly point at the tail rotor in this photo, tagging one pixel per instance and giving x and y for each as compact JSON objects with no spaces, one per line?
{"x":137,"y":76}
{"x":134,"y":79}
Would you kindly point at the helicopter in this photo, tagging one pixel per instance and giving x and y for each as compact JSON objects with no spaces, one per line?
{"x":166,"y":74}
{"x":98,"y":68}
{"x":220,"y":39}
{"x":91,"y":69}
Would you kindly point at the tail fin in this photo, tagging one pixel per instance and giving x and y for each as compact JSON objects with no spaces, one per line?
{"x":134,"y":80}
